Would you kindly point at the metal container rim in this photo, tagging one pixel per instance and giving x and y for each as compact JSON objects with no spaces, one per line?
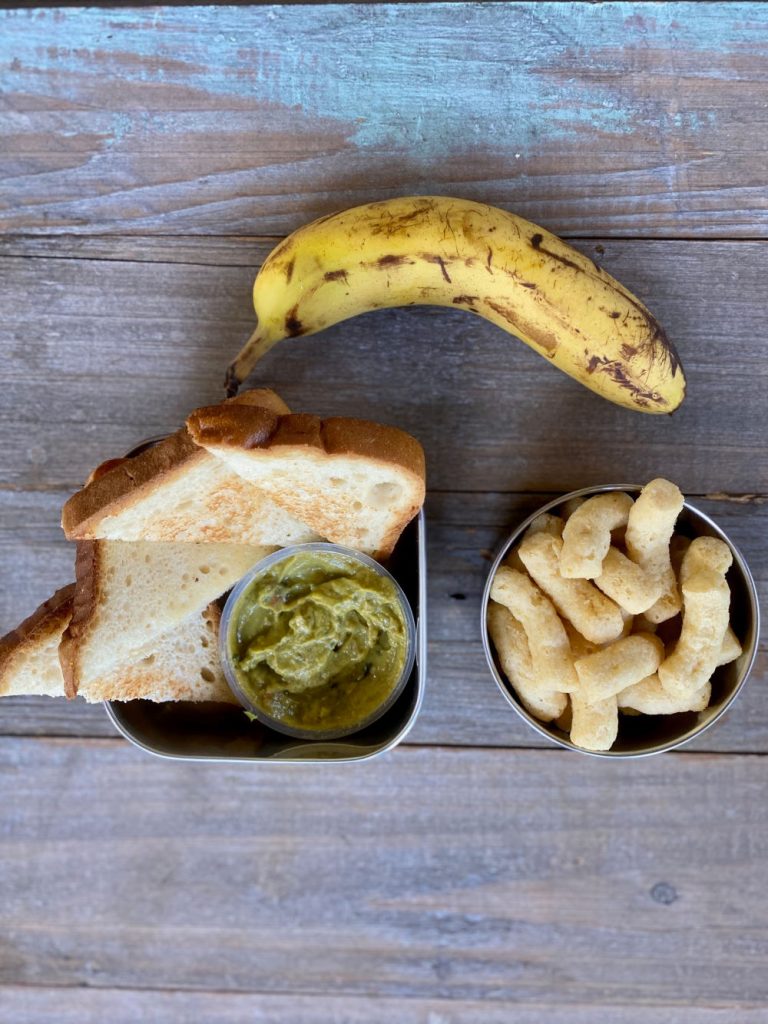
{"x":539,"y":727}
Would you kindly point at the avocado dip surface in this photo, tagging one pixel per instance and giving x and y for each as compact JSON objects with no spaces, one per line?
{"x":319,"y":640}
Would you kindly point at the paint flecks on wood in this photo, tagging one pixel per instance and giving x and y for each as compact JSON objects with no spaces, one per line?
{"x":258,"y":119}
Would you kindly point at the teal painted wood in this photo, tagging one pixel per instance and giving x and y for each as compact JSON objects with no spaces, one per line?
{"x":614,"y":118}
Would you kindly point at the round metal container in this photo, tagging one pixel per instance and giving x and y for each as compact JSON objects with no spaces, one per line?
{"x":643,"y":735}
{"x":229,"y":622}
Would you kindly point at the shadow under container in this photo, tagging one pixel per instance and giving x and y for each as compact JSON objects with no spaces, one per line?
{"x":643,"y":735}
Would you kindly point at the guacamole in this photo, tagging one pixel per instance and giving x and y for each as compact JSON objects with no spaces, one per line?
{"x":319,"y":641}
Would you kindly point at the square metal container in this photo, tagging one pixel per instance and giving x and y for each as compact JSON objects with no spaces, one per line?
{"x":185,"y":731}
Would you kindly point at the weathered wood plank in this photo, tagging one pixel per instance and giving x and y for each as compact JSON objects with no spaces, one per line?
{"x":462,"y":706}
{"x":621,"y":118}
{"x":98,"y":354}
{"x":530,"y":876}
{"x":119,"y":1006}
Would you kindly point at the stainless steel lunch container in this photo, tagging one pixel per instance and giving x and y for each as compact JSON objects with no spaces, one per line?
{"x":186,"y":731}
{"x":642,"y":735}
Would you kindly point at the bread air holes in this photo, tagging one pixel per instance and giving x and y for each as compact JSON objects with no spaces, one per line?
{"x":337,"y":481}
{"x":384,"y":494}
{"x":207,"y":675}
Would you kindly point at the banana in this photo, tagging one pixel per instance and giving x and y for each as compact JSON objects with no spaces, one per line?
{"x":454,"y":252}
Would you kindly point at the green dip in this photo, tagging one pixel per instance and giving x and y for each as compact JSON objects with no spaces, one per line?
{"x":319,"y":641}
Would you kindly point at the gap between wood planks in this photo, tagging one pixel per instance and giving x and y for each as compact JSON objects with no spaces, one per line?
{"x":33,"y":245}
{"x":549,"y":748}
{"x":554,"y":1012}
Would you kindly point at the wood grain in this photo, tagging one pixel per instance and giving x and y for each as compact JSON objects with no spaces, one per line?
{"x":118,"y":1006}
{"x":462,"y":705}
{"x":100,"y":353}
{"x":531,"y":877}
{"x":150,"y":159}
{"x":610,"y":119}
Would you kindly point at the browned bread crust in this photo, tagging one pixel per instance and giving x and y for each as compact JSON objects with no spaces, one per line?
{"x":254,"y":427}
{"x":83,"y":606}
{"x":108,"y":493}
{"x":50,"y":617}
{"x":242,"y":430}
{"x":120,"y":486}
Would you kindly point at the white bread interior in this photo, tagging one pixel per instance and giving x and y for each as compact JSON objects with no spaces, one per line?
{"x":356,"y":483}
{"x":183,"y":664}
{"x":128,"y":593}
{"x":176,"y":491}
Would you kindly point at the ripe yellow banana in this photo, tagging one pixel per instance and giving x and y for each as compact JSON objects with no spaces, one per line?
{"x":453,"y":252}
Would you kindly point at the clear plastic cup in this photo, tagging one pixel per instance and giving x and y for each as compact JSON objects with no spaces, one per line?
{"x":229,"y":623}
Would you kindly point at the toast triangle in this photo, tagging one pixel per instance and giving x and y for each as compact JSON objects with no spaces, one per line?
{"x":183,"y":664}
{"x":176,"y":491}
{"x":129,"y":593}
{"x":354,"y":482}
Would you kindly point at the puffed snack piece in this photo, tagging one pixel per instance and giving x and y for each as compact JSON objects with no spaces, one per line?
{"x":593,"y":614}
{"x":511,"y":644}
{"x":618,"y":665}
{"x":551,"y":656}
{"x":649,"y":532}
{"x":696,"y":653}
{"x":587,"y":534}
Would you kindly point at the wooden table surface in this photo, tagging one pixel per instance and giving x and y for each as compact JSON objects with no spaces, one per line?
{"x":149,"y":159}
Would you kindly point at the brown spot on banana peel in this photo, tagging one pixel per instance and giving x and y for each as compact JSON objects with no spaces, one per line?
{"x":468,"y":301}
{"x":641,"y":396}
{"x":390,"y":225}
{"x":536,"y":241}
{"x":391,"y":260}
{"x":545,"y":340}
{"x":658,"y":345}
{"x":293,"y":326}
{"x":280,"y":250}
{"x":336,"y":275}
{"x":431,"y":258}
{"x":289,"y":269}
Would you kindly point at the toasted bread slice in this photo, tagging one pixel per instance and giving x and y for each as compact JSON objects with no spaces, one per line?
{"x":29,"y":660}
{"x":355,"y":482}
{"x":129,"y":593}
{"x":176,"y":491}
{"x":182,"y":665}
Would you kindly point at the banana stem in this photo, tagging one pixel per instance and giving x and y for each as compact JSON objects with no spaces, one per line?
{"x":252,"y":351}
